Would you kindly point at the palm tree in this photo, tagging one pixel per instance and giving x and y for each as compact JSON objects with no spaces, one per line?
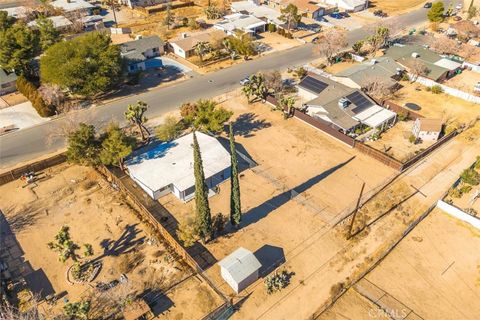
{"x":135,"y":114}
{"x":201,"y":48}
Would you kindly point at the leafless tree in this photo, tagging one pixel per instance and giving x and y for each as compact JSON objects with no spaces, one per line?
{"x":418,"y":68}
{"x":331,"y":43}
{"x":52,"y":94}
{"x":379,"y":88}
{"x":443,"y":45}
{"x":273,"y":81}
{"x":9,"y":312}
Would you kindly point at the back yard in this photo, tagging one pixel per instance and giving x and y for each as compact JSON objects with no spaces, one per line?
{"x":98,"y":215}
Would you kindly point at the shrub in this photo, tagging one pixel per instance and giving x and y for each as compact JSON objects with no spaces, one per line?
{"x":470,"y":176}
{"x":402,"y":116}
{"x":272,"y":27}
{"x":29,"y":90}
{"x":277,"y":282}
{"x":436,"y":89}
{"x":288,"y":35}
{"x":465,"y":189}
{"x":412,"y":139}
{"x":281,"y":31}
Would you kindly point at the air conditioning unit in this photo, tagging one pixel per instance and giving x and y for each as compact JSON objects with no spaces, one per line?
{"x":343,"y":103}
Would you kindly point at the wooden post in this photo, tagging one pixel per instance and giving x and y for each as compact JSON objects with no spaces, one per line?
{"x":355,"y":212}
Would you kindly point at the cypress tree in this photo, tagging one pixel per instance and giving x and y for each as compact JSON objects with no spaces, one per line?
{"x":204,"y":218}
{"x":235,"y":206}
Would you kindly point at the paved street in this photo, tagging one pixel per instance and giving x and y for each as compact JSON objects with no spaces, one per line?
{"x":29,"y":143}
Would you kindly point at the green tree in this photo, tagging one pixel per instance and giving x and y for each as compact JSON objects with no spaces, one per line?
{"x":357,"y":46}
{"x":205,"y":115}
{"x":115,"y":146}
{"x":83,"y":146}
{"x":169,"y":130}
{"x":202,"y":48}
{"x":86,"y":65}
{"x":6,"y":21}
{"x":379,"y":38}
{"x":255,"y":87}
{"x":64,"y":245}
{"x":49,"y":35}
{"x":77,"y":310}
{"x":435,"y":14}
{"x":472,"y":12}
{"x":235,"y":205}
{"x":18,"y":46}
{"x":202,"y":208}
{"x":287,"y":103}
{"x":290,"y":16}
{"x":135,"y":114}
{"x":241,"y":44}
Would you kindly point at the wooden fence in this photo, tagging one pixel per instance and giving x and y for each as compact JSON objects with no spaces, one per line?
{"x":402,"y":110}
{"x":36,"y":166}
{"x":378,"y":155}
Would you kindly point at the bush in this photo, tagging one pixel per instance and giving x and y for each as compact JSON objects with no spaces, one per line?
{"x":288,"y":35}
{"x":412,"y":139}
{"x":436,"y":89}
{"x":277,"y":282}
{"x":272,"y":27}
{"x":29,"y":90}
{"x":470,"y":176}
{"x":281,"y":31}
{"x":402,"y":116}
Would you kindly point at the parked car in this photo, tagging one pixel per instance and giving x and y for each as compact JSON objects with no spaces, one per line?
{"x":459,"y":6}
{"x":345,"y":14}
{"x":244,"y":81}
{"x":427,"y":5}
{"x":336,"y":15}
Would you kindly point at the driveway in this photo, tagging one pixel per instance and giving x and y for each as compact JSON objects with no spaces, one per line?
{"x":21,"y":116}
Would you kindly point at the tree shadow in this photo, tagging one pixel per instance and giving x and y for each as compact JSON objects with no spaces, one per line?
{"x":248,"y":123}
{"x":270,"y":257}
{"x":242,"y":162}
{"x":158,"y":301}
{"x":261,"y":211}
{"x":124,"y":244}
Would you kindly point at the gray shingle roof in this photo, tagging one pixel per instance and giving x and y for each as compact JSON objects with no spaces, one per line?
{"x":133,"y":50}
{"x":7,"y":77}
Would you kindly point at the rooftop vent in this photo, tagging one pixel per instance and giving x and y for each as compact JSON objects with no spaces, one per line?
{"x":343,"y":103}
{"x":415,"y":55}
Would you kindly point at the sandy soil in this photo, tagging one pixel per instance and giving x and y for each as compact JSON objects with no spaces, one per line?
{"x":465,"y":81}
{"x":443,"y":106}
{"x":96,"y":214}
{"x":433,"y":275}
{"x":339,"y":67}
{"x":395,"y":141}
{"x":395,"y":6}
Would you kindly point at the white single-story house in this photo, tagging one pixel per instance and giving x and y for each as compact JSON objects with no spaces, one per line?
{"x":92,"y":22}
{"x":259,"y":11}
{"x":81,"y":6}
{"x":348,"y":5}
{"x":59,"y":23}
{"x":168,"y":167}
{"x":344,"y":107}
{"x":242,"y":22}
{"x":138,"y":51}
{"x":185,"y":46}
{"x":16,"y":12}
{"x":240,"y":269}
{"x":427,"y":129}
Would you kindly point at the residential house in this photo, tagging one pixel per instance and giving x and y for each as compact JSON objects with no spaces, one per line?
{"x":347,"y":5}
{"x":142,"y":3}
{"x":261,"y":12}
{"x":241,"y":22}
{"x":168,"y":167}
{"x":360,"y":76}
{"x":313,"y":9}
{"x":93,"y":22}
{"x":344,"y":107}
{"x":74,"y":6}
{"x":240,"y":269}
{"x":185,"y":46}
{"x":427,"y":129}
{"x":139,"y":51}
{"x":438,"y":68}
{"x":8,"y":82}
{"x":59,"y":22}
{"x":19,"y":12}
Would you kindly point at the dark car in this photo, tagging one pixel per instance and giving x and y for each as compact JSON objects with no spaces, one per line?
{"x":380,"y":13}
{"x":427,"y":5}
{"x":336,"y":15}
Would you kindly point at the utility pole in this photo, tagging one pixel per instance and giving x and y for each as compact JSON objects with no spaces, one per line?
{"x":355,"y":212}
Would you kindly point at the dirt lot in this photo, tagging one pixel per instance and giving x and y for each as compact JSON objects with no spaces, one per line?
{"x":395,"y":142}
{"x":395,"y":6}
{"x":96,"y":214}
{"x":433,"y":274}
{"x":465,"y":81}
{"x":438,"y":106}
{"x":291,"y":155}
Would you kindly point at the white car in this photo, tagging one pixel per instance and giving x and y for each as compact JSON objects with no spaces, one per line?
{"x":244,"y":81}
{"x":459,"y":6}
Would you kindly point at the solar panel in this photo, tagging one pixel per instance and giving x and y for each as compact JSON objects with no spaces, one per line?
{"x":313,"y":84}
{"x":360,"y":101}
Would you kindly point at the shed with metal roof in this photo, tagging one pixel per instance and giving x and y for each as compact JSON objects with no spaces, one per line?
{"x":240,"y":269}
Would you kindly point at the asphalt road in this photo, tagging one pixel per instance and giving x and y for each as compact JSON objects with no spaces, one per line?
{"x":32,"y":142}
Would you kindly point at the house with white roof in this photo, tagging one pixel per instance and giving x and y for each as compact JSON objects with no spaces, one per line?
{"x":80,"y":6}
{"x":59,"y":23}
{"x":240,"y":269}
{"x":348,"y":5}
{"x":168,"y":167}
{"x":16,"y":12}
{"x":242,"y":22}
{"x":261,"y":12}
